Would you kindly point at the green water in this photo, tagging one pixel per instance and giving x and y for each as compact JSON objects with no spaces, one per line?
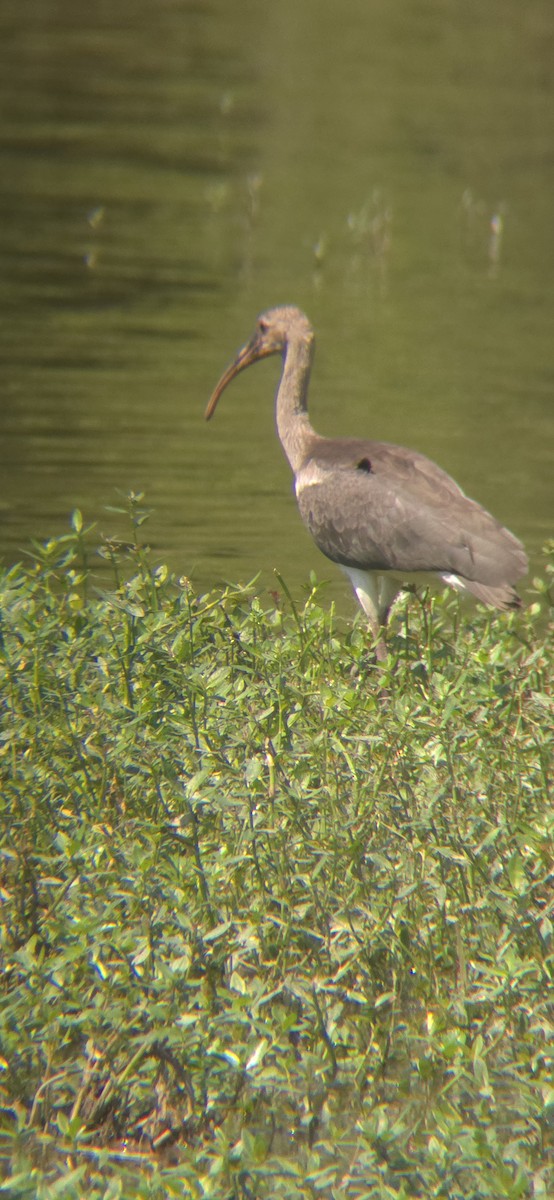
{"x":166,"y":171}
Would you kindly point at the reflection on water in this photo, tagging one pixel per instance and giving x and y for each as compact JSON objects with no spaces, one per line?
{"x":168,"y":171}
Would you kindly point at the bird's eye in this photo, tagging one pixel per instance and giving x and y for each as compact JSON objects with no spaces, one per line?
{"x":263,"y":326}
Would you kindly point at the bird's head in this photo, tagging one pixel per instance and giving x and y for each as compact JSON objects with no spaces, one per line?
{"x":274,"y":331}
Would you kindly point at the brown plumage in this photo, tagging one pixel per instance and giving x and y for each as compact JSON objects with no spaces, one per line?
{"x":385,"y":514}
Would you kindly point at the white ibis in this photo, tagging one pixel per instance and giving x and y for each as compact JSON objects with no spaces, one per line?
{"x":386,"y":515}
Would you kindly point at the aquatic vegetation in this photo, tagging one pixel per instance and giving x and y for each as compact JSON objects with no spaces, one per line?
{"x":275,"y":922}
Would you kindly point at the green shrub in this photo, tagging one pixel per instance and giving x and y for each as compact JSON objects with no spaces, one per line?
{"x":275,"y":922}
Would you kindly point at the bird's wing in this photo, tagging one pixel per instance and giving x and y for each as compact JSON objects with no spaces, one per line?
{"x":379,"y":507}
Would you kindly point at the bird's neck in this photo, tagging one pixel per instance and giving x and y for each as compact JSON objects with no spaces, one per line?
{"x":293,"y":423}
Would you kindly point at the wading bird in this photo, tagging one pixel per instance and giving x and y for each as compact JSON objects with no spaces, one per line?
{"x":388,"y":516}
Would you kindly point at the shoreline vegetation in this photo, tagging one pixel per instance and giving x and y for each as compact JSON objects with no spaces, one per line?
{"x":275,"y":922}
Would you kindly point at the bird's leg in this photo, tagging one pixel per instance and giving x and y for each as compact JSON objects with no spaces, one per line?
{"x":372,"y":593}
{"x":381,"y":651}
{"x":388,"y":589}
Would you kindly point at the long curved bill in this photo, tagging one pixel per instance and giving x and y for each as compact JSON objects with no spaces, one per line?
{"x":250,"y":353}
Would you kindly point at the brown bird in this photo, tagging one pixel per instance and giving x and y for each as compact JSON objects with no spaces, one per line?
{"x":388,"y":516}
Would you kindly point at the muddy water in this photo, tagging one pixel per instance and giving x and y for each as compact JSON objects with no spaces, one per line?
{"x":167,"y":171}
